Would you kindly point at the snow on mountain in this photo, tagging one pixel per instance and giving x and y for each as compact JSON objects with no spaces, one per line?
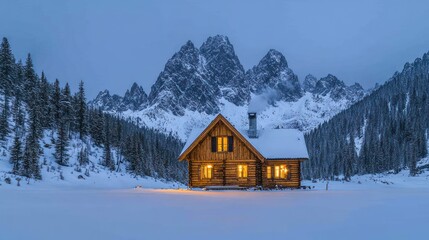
{"x":337,"y":89}
{"x":309,"y":83}
{"x":106,"y":101}
{"x":134,"y":99}
{"x":224,"y":69}
{"x":273,"y":72}
{"x":304,"y":114}
{"x":196,"y":84}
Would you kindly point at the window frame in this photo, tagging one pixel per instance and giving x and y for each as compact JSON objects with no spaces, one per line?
{"x":206,"y":171}
{"x":223,"y":144}
{"x":281,"y":171}
{"x":269,"y":172}
{"x":244,"y":173}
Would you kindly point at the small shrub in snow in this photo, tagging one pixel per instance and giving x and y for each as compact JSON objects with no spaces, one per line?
{"x":87,"y":172}
{"x":8,"y":180}
{"x":77,"y":168}
{"x":18,"y":179}
{"x":80,"y":177}
{"x":61,"y":175}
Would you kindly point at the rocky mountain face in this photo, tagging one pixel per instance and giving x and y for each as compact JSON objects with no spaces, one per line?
{"x":206,"y":79}
{"x":272,"y":72}
{"x":335,"y":88}
{"x":184,"y":84}
{"x":134,"y":99}
{"x":224,"y":69}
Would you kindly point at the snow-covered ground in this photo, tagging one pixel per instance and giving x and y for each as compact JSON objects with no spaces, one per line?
{"x":368,"y":207}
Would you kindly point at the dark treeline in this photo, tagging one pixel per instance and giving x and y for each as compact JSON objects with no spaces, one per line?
{"x":32,"y":108}
{"x":389,"y":127}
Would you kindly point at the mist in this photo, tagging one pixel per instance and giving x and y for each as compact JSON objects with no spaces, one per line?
{"x":259,"y":103}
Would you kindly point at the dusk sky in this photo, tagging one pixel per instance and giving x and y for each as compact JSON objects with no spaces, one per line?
{"x":111,"y":44}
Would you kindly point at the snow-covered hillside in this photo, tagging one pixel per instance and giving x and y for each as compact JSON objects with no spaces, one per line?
{"x":93,"y":174}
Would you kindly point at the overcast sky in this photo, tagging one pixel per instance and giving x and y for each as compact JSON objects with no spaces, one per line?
{"x":111,"y":44}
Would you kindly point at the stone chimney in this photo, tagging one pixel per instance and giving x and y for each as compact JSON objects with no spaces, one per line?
{"x":253,"y":131}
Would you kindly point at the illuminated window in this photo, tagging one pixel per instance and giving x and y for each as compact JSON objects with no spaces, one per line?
{"x":283,"y":171}
{"x":222,"y":144}
{"x":207,"y":171}
{"x":280,"y":171}
{"x":269,"y":172}
{"x":241,"y":171}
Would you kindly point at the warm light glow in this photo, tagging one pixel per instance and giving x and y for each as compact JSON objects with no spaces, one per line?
{"x":206,"y":171}
{"x":283,"y":171}
{"x":280,"y":171}
{"x":241,"y":171}
{"x":269,"y":172}
{"x":276,"y":171}
{"x":222,"y":144}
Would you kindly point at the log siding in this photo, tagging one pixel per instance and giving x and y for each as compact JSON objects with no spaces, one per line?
{"x":225,"y":164}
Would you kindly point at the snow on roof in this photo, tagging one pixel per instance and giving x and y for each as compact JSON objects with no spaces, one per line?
{"x":271,"y":143}
{"x":192,"y":137}
{"x":279,"y":143}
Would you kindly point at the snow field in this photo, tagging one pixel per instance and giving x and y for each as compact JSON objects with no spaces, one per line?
{"x":369,"y":207}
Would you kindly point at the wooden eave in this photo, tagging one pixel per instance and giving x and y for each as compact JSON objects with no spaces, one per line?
{"x":220,"y":118}
{"x":286,"y":159}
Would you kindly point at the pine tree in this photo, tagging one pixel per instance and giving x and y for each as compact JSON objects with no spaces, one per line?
{"x":6,"y":67}
{"x":4,"y":122}
{"x":6,"y":71}
{"x":16,"y":155}
{"x":61,"y":145}
{"x":81,"y":111}
{"x":55,"y":105}
{"x":67,"y":115}
{"x":31,"y":166}
{"x":45,"y":105}
{"x":32,"y":150}
{"x":107,"y":154}
{"x":83,"y":157}
{"x":96,"y":126}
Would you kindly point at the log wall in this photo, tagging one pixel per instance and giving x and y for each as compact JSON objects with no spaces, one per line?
{"x":225,"y":164}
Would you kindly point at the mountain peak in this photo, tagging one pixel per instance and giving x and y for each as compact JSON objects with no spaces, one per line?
{"x":217,"y":45}
{"x":188,"y":44}
{"x":134,"y":99}
{"x":275,"y":58}
{"x":134,"y":86}
{"x":272,"y":72}
{"x":218,"y":40}
{"x":309,"y":83}
{"x":224,"y":69}
{"x":135,"y":89}
{"x":105,"y":92}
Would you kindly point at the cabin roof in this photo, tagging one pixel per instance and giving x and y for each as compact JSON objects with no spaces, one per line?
{"x":271,"y":143}
{"x":279,"y":143}
{"x":195,"y":133}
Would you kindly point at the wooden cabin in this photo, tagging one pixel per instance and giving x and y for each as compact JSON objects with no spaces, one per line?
{"x":221,"y":155}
